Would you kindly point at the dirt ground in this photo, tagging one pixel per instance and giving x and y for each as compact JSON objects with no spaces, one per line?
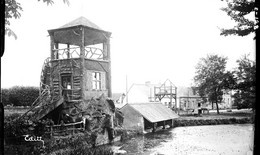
{"x":205,"y":140}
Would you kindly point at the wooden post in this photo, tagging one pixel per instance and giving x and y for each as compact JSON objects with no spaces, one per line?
{"x":68,"y":48}
{"x":104,"y":50}
{"x":176,"y":97}
{"x":57,"y":51}
{"x":171,"y":96}
{"x":109,"y":69}
{"x":154,"y":90}
{"x":163,"y":124}
{"x":52,"y":45}
{"x":51,"y":131}
{"x":82,"y":57}
{"x":154,"y":127}
{"x":52,"y":58}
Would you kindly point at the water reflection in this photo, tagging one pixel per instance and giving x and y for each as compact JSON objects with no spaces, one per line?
{"x":214,"y":139}
{"x":141,"y":144}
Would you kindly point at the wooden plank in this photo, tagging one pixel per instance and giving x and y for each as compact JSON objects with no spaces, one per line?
{"x":48,"y":109}
{"x":109,"y":86}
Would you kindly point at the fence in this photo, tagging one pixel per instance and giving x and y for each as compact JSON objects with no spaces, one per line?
{"x":66,"y":128}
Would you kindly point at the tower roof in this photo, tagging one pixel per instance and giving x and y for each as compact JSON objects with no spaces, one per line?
{"x":83,"y":22}
{"x":70,"y":33}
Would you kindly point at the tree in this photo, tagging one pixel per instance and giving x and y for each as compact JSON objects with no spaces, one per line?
{"x":238,"y":11}
{"x":13,"y":10}
{"x":245,"y":87}
{"x":211,"y":77}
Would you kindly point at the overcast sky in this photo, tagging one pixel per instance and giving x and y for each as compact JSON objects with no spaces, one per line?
{"x":152,"y":40}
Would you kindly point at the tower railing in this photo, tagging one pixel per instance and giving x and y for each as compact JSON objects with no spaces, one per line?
{"x":66,"y":53}
{"x":165,"y":90}
{"x":74,"y":52}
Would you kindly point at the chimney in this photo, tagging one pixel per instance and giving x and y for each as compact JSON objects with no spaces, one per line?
{"x":148,"y":83}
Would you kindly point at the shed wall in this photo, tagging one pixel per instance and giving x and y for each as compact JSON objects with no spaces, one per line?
{"x":132,"y":119}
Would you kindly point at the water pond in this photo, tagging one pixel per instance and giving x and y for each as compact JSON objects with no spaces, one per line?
{"x":214,"y":139}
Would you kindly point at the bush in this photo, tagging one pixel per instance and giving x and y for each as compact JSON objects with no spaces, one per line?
{"x":19,"y":95}
{"x":232,"y":120}
{"x":15,"y":129}
{"x":206,"y":122}
{"x":196,"y":122}
{"x":5,"y":97}
{"x":225,"y":121}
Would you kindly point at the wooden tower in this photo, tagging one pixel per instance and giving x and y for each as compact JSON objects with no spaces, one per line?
{"x":166,"y":90}
{"x":79,"y":67}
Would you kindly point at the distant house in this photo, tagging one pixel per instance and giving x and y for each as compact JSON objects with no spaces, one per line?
{"x":140,"y":93}
{"x":188,"y":99}
{"x":148,"y":92}
{"x":142,"y":116}
{"x":227,"y":100}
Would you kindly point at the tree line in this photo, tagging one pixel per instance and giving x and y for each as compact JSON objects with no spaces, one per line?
{"x":19,"y":95}
{"x":212,"y":79}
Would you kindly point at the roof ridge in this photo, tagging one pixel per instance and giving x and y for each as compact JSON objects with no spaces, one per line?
{"x":81,"y":21}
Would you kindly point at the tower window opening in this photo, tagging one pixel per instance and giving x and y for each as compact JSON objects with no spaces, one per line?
{"x":96,"y":81}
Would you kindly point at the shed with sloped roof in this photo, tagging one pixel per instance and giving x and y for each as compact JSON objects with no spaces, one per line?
{"x":142,"y":116}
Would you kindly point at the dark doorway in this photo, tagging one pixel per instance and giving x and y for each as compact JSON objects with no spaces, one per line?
{"x":66,"y":81}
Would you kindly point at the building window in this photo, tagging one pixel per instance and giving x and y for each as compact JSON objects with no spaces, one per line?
{"x":96,"y":81}
{"x":66,"y":81}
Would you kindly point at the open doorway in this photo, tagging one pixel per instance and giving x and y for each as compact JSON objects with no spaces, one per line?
{"x":66,"y":81}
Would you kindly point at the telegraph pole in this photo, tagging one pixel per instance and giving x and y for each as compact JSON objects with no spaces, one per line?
{"x":126,"y":90}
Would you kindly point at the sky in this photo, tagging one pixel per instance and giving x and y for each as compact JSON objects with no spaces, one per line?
{"x":152,"y":40}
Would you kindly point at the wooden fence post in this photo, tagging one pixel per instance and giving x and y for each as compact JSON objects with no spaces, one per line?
{"x":51,"y":131}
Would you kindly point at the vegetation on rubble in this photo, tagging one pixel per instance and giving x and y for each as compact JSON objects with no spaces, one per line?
{"x":16,"y":129}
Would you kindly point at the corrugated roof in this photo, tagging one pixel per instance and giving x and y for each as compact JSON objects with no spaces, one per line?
{"x":154,"y":112}
{"x":81,"y":21}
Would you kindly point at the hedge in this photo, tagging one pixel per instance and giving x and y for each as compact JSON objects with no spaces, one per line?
{"x":181,"y":122}
{"x":19,"y":95}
